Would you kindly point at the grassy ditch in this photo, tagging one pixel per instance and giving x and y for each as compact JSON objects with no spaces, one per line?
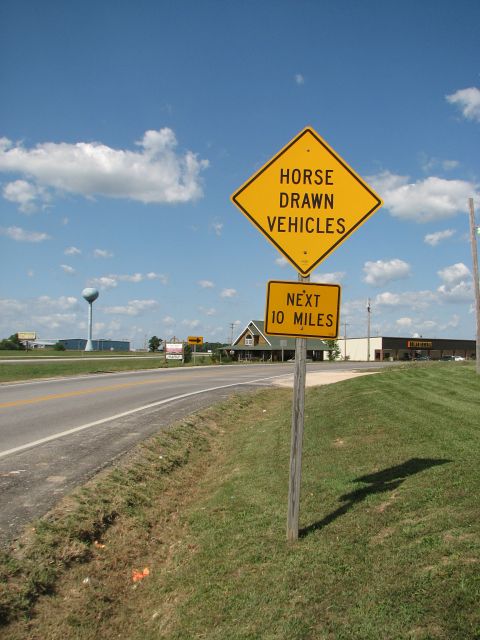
{"x":389,"y":545}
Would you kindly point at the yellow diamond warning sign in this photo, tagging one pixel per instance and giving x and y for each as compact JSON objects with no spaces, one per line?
{"x":306,"y":200}
{"x":302,"y":309}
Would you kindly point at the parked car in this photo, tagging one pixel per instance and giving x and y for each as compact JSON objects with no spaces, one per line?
{"x":447,"y":358}
{"x":458,"y":358}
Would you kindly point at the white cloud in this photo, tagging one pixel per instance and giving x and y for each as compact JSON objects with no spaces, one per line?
{"x":328,"y":278}
{"x":215,"y":332}
{"x":453,"y":323}
{"x":433,"y":239}
{"x":67,"y":269}
{"x":430,"y":163}
{"x":46,"y":315}
{"x":468,"y":100}
{"x":206,"y":284}
{"x":20,"y":235}
{"x":9,"y":306}
{"x":24,"y":194}
{"x":133,"y":308}
{"x":404,"y":323}
{"x":168,"y":321}
{"x":380,"y":272}
{"x":104,"y":282}
{"x":455,"y":273}
{"x":72,"y":251}
{"x":448,"y":165}
{"x":155,"y":173}
{"x":457,"y":284}
{"x":228,"y":293}
{"x":208,"y":312}
{"x":54,"y":321}
{"x":217,"y":228}
{"x":102,"y":253}
{"x":191,"y":324}
{"x":412,"y":299}
{"x":426,"y":327}
{"x":134,"y":277}
{"x":423,"y":201}
{"x":299,"y":79}
{"x":281,"y":261}
{"x":458,"y":293}
{"x":111,"y":280}
{"x":157,"y":276}
{"x":63,"y":303}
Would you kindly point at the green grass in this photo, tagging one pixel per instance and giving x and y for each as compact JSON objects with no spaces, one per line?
{"x":86,"y":365}
{"x":390,"y":523}
{"x":31,"y":370}
{"x":56,"y":364}
{"x":52,"y":353}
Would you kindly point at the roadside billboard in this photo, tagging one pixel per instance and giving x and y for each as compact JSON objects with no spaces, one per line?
{"x":27,"y":335}
{"x":174,"y":350}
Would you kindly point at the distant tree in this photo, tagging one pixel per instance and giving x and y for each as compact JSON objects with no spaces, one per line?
{"x":187,"y":352}
{"x":12,"y":343}
{"x":213,"y":346}
{"x":154,"y":344}
{"x":333,"y":349}
{"x":59,"y":346}
{"x":222,"y":354}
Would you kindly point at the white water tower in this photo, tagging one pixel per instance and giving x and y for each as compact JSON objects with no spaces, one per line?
{"x":90,"y":296}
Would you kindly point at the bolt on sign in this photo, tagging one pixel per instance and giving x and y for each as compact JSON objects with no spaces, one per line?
{"x":302,"y":309}
{"x":306,"y":200}
{"x":195,"y":339}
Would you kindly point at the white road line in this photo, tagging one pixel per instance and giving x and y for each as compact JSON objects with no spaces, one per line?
{"x":82,"y":427}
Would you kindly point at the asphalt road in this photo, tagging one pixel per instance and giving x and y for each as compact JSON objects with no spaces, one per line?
{"x":55,"y":434}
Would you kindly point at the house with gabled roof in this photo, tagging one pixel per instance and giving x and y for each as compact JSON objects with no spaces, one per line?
{"x":254,"y":344}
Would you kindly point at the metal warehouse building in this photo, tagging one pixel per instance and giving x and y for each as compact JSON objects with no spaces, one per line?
{"x":78,"y":344}
{"x":385,"y":348}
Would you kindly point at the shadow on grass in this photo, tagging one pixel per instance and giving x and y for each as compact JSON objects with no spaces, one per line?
{"x":380,"y":482}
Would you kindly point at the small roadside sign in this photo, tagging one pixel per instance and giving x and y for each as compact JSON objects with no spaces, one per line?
{"x":195,"y":339}
{"x":306,"y":200}
{"x":302,"y":309}
{"x":174,"y":351}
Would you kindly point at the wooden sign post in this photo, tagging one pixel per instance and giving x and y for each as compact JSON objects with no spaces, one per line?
{"x":298,"y":417}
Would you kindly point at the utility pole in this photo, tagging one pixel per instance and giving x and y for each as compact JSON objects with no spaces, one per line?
{"x":368,"y":330}
{"x":473,"y":231}
{"x":232,"y":325}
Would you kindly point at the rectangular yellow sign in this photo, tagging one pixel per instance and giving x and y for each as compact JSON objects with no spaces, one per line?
{"x":26,"y":335}
{"x":302,"y":309}
{"x":195,"y":339}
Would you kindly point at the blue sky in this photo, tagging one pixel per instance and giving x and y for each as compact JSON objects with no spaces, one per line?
{"x":126,"y":126}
